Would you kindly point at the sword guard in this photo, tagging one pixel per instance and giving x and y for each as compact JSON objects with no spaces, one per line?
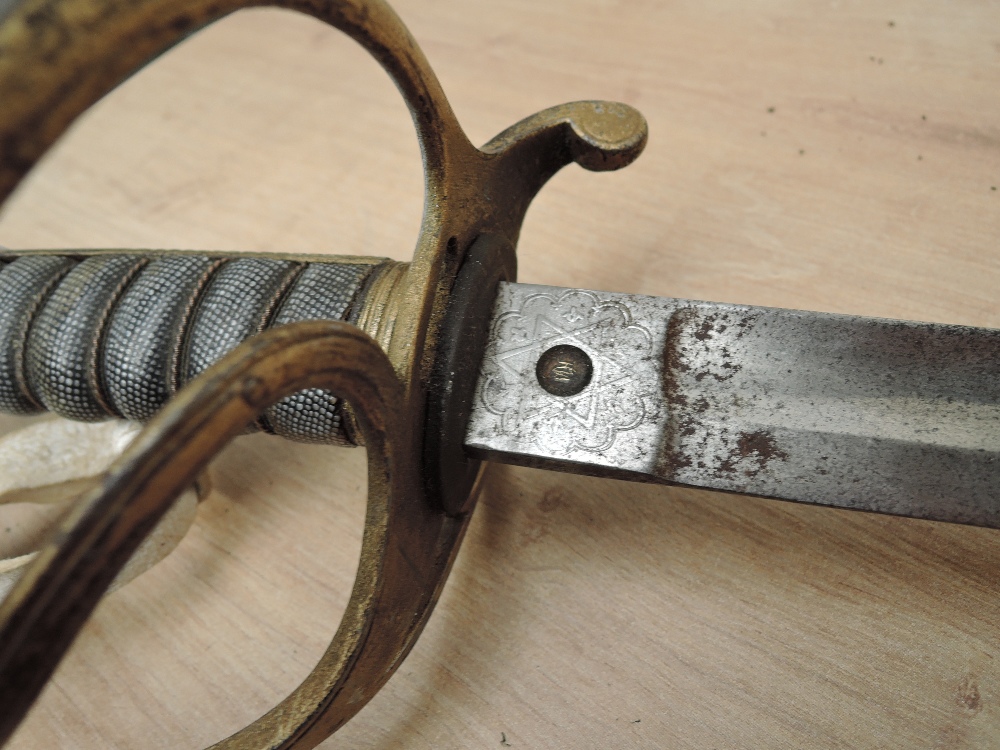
{"x":60,"y":56}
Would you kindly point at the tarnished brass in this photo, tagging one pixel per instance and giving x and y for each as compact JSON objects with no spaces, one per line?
{"x":57,"y":57}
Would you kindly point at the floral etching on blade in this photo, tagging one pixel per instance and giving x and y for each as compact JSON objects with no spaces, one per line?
{"x":615,"y":401}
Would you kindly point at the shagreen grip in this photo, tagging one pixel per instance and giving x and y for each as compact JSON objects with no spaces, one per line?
{"x":116,"y":335}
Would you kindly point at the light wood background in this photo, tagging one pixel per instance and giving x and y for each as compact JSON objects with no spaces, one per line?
{"x":838,"y":156}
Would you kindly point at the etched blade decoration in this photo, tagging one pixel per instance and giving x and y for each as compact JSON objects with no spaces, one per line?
{"x":617,"y":405}
{"x":870,"y":414}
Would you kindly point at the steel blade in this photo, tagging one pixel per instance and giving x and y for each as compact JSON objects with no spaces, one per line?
{"x":863,"y":413}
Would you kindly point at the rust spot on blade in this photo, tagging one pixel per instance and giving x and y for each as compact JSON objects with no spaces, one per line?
{"x":680,"y":422}
{"x":760,"y":444}
{"x":704,"y":331}
{"x":696,"y":353}
{"x":751,"y":454}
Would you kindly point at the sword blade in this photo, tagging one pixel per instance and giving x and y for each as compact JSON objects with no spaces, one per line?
{"x":870,"y":414}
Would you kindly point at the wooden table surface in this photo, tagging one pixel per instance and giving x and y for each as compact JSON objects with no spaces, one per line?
{"x":838,"y":156}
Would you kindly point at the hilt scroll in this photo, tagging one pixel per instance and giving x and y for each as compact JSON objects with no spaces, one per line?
{"x":117,"y":335}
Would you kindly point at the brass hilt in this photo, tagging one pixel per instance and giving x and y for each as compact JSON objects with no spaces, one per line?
{"x":402,"y":370}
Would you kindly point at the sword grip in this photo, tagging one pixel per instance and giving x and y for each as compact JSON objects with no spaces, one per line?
{"x":106,"y":335}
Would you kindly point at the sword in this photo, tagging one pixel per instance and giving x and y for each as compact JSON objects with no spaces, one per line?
{"x":749,"y":431}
